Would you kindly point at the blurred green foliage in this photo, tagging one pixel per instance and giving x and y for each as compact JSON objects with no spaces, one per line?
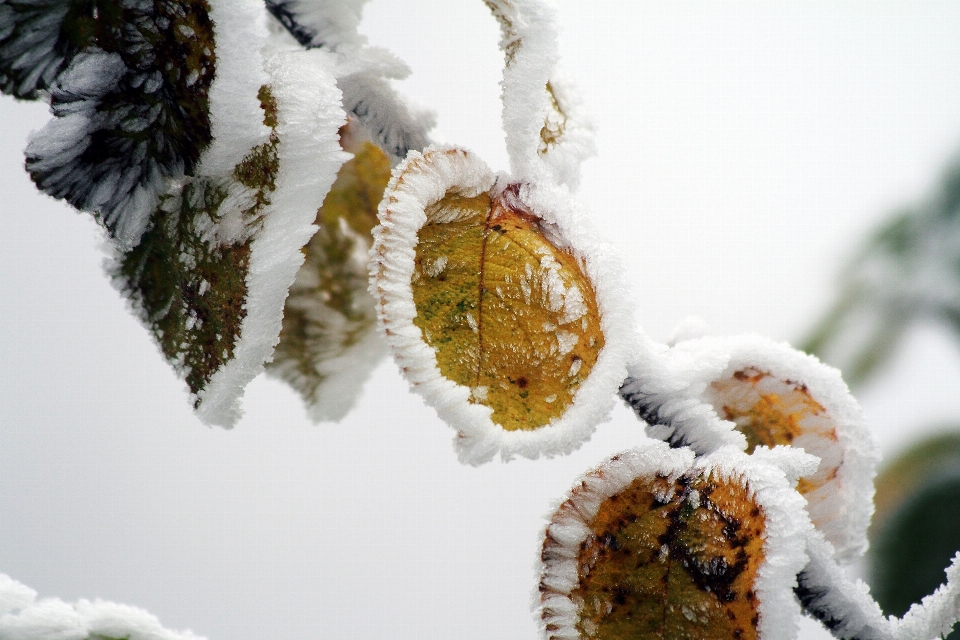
{"x":916,"y":530}
{"x":907,"y":270}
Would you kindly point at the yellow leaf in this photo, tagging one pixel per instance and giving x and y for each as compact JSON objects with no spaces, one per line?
{"x":770,"y":411}
{"x":509,"y":314}
{"x":329,"y":320}
{"x":499,"y":305}
{"x":668,"y":558}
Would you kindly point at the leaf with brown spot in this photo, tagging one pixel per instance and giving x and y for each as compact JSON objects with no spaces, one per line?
{"x":508,"y":313}
{"x":665,"y":555}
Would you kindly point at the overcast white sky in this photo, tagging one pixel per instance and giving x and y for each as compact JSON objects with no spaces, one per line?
{"x":744,"y":148}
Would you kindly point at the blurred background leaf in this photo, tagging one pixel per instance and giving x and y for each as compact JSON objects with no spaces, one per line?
{"x":916,"y":529}
{"x":907,"y":270}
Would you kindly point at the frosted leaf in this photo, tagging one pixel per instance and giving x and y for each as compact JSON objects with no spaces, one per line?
{"x":547,"y":129}
{"x":211,"y":273}
{"x":35,"y":46}
{"x":501,"y":310}
{"x":329,"y":342}
{"x":846,"y":608}
{"x":129,"y":89}
{"x":654,"y":542}
{"x":750,"y":391}
{"x":22,"y":617}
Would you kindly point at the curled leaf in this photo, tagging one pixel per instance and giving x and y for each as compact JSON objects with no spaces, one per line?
{"x":210,"y":276}
{"x":492,"y":310}
{"x":654,"y":544}
{"x":547,"y":129}
{"x":329,"y":343}
{"x":748,"y":392}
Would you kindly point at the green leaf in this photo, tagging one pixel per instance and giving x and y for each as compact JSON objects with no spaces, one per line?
{"x":189,"y":290}
{"x":916,"y":530}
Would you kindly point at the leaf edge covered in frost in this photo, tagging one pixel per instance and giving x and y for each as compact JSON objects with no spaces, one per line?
{"x":23,"y":617}
{"x":767,"y":478}
{"x":329,"y":341}
{"x":666,"y":388}
{"x":418,"y":182}
{"x":362,"y":72}
{"x":534,"y":90}
{"x":308,"y":117}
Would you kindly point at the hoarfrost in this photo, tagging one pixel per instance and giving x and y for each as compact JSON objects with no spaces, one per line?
{"x":417,"y":183}
{"x":548,"y":133}
{"x":705,"y":393}
{"x":22,"y":617}
{"x":309,"y":155}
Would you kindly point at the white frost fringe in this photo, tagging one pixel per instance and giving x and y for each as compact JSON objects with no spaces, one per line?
{"x":847,"y":606}
{"x":765,"y":479}
{"x":23,"y":617}
{"x":423,"y":179}
{"x":529,"y":40}
{"x":667,"y":387}
{"x":363,"y":73}
{"x":309,"y":116}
